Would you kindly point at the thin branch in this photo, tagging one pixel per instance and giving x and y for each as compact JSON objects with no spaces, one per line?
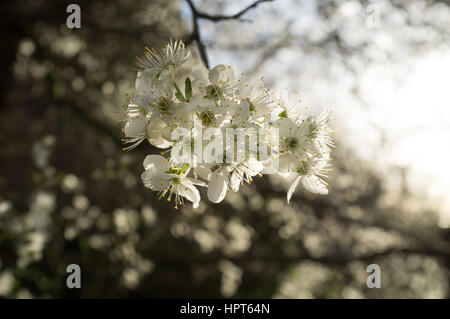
{"x":236,"y":16}
{"x":195,"y":35}
{"x":196,"y":15}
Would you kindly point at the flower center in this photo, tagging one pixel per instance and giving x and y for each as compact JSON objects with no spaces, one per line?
{"x":283,"y":114}
{"x":252,"y":107}
{"x":163,"y":105}
{"x":213,"y":92}
{"x":177,"y":171}
{"x":302,"y":170}
{"x":207,"y":118}
{"x":292,"y":143}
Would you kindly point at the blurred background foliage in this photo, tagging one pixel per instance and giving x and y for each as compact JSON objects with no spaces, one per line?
{"x":69,"y":194}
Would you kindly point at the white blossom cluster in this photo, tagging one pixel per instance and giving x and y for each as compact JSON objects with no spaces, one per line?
{"x":174,"y":93}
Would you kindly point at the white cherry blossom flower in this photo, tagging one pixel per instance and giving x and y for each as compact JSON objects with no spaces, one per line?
{"x":260,"y":101}
{"x":320,"y":130}
{"x":218,"y":185}
{"x":162,"y":64}
{"x":244,"y":172}
{"x":311,"y":173}
{"x":294,"y":137}
{"x":222,"y":83}
{"x":288,"y":105}
{"x":135,"y":131}
{"x":160,"y":176}
{"x":231,"y":176}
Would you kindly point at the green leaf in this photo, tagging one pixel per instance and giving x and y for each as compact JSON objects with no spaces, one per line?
{"x":188,"y":89}
{"x":178,"y":93}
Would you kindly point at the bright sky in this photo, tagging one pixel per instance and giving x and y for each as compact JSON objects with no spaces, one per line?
{"x":411,"y":104}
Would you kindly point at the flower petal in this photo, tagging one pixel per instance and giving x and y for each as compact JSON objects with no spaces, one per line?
{"x":217,"y":187}
{"x":151,"y":179}
{"x":190,"y":192}
{"x":235,"y":180}
{"x":157,"y":163}
{"x":288,"y":163}
{"x":293,"y":187}
{"x":203,"y":171}
{"x":154,"y":129}
{"x":315,"y":184}
{"x":221,"y":74}
{"x":135,"y":126}
{"x":287,"y":127}
{"x":143,"y":82}
{"x":253,"y":166}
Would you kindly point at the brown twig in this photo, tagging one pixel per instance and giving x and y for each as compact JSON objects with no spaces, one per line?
{"x":237,"y":15}
{"x":195,"y":35}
